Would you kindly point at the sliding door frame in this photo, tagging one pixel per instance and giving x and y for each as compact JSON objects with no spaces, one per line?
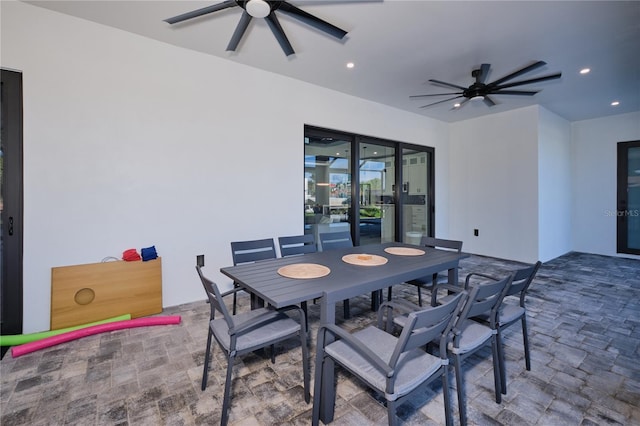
{"x":356,"y":140}
{"x":624,"y":211}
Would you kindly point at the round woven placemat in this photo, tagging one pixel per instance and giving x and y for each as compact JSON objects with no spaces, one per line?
{"x":364,"y":259}
{"x":304,"y":271}
{"x":404,"y":251}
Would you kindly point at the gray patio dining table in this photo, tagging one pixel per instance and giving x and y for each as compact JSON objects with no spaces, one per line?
{"x":344,"y":281}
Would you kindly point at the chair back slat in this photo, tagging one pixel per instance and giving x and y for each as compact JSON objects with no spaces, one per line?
{"x":215,"y":299}
{"x":523,"y":278}
{"x":252,"y":250}
{"x":297,"y":244}
{"x":486,"y":297}
{"x":427,"y":325}
{"x":335,"y":240}
{"x":432,"y":242}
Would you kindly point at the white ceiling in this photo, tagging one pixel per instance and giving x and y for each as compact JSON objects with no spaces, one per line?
{"x":398,"y":45}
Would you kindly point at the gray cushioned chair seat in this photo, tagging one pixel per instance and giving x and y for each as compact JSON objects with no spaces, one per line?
{"x":400,"y":320}
{"x":414,"y":366}
{"x":509,"y":313}
{"x":473,"y":335}
{"x":279,"y":326}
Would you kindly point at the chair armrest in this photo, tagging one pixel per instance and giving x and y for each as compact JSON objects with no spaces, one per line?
{"x":478,"y":274}
{"x":301,"y":315}
{"x":253,"y":322}
{"x":358,"y":347}
{"x":402,"y":306}
{"x":269,"y":315}
{"x":233,"y":290}
{"x":452,"y":288}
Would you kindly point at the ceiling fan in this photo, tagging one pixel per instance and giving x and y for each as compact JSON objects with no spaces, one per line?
{"x":267,"y":10}
{"x":481,"y":90}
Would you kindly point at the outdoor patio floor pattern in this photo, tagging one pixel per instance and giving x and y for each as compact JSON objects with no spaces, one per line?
{"x":584,"y":328}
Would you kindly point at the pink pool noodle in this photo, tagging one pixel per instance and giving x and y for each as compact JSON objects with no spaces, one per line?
{"x":17,"y":351}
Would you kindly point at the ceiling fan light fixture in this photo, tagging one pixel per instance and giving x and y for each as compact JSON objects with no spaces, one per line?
{"x":258,"y":8}
{"x":477,"y":98}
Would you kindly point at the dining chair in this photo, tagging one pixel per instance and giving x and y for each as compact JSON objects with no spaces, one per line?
{"x":511,"y":310}
{"x":334,"y":241}
{"x":432,"y":281}
{"x":246,"y":332}
{"x":470,"y":336}
{"x":247,"y":252}
{"x":394,"y":367}
{"x":296,"y":245}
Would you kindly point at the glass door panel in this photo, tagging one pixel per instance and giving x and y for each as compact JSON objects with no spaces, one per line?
{"x":414,"y":195}
{"x":376,"y":201}
{"x":628,"y":213}
{"x":327,"y":183}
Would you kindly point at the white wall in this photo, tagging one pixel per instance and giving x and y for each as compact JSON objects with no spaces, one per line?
{"x":594,"y":154}
{"x":554,"y":185}
{"x":130,"y":142}
{"x":493,"y":183}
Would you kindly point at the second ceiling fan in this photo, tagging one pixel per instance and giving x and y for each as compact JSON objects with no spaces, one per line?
{"x":267,"y":10}
{"x":482,"y":90}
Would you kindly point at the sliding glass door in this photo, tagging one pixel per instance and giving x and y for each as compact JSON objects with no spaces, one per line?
{"x":415,"y":195}
{"x":327,"y":182}
{"x":379,"y":190}
{"x":628,"y":212}
{"x":376,"y":200}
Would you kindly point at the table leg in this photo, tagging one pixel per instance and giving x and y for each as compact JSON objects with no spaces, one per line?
{"x":327,"y":393}
{"x":256,"y":302}
{"x":453,"y":276}
{"x":452,"y":279}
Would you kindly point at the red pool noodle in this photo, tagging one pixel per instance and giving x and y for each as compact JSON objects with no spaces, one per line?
{"x":19,"y":350}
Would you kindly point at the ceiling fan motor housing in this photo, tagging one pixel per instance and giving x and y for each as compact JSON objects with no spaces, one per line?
{"x":258,"y":8}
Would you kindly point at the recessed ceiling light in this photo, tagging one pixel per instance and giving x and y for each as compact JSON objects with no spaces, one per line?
{"x":585,"y":70}
{"x":456,"y":105}
{"x":350,"y":65}
{"x":615,"y":103}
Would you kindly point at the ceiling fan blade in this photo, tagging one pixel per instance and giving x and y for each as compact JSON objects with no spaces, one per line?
{"x":239,"y":31}
{"x":484,"y":72}
{"x":522,"y":82}
{"x":312,"y":20}
{"x":487,"y":100}
{"x":278,"y":32}
{"x":439,"y":102}
{"x":517,"y":73}
{"x":444,"y":83}
{"x":435,"y":94}
{"x":515,"y":92}
{"x":199,"y":12}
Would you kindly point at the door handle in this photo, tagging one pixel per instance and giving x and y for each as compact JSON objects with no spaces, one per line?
{"x":10,"y":225}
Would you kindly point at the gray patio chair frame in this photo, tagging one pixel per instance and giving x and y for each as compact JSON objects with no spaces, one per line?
{"x":247,"y":332}
{"x":251,"y":251}
{"x":392,"y":366}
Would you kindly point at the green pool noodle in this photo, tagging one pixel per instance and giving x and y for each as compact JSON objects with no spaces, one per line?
{"x":19,"y":339}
